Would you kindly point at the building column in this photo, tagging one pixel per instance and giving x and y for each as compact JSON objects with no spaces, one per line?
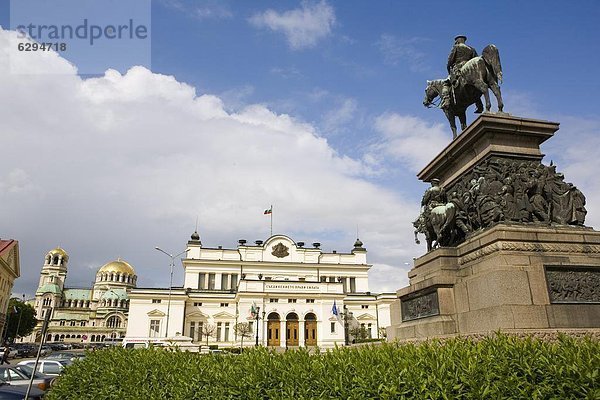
{"x":301,"y":329}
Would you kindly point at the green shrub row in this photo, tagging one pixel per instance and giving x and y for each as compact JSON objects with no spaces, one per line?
{"x":499,"y":367}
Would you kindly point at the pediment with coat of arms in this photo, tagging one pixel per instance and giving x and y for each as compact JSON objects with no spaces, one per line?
{"x":280,"y":250}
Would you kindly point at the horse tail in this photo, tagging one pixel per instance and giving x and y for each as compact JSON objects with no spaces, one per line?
{"x":491,"y":56}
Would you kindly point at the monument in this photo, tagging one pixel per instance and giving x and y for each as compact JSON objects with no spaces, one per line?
{"x":507,"y":245}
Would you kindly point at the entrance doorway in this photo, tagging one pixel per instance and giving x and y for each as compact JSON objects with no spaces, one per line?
{"x":273,"y":329}
{"x":291,"y":338}
{"x":310,"y":330}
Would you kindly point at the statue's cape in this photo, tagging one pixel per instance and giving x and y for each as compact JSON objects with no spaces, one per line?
{"x":491,"y":56}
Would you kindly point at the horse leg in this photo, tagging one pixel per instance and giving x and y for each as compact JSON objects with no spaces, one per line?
{"x":496,"y":90}
{"x":483,"y":88}
{"x":463,"y":120}
{"x":452,"y":122}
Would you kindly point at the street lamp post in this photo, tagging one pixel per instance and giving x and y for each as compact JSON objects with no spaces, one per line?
{"x":170,"y":285}
{"x":19,"y":323}
{"x":347,"y":315}
{"x":257,"y":317}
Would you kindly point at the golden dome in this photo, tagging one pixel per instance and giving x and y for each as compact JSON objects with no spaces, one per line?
{"x":58,"y":251}
{"x":54,"y":254}
{"x":119,"y":266}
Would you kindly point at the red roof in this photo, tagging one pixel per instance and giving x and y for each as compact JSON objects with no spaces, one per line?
{"x":6,"y":244}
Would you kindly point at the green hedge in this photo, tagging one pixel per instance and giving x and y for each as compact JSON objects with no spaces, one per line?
{"x":494,"y":368}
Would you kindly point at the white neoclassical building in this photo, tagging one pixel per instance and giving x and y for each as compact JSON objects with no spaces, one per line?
{"x":292,"y":286}
{"x":82,"y":315}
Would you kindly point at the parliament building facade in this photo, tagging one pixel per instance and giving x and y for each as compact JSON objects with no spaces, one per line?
{"x":288,"y":294}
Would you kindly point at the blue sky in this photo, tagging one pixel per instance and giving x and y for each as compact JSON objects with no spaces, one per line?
{"x":313,"y":106}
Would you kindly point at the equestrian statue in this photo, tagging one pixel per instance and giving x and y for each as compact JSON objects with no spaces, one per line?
{"x":470,"y":76}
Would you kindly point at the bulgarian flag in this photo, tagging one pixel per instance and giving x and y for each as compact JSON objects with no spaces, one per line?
{"x":268,"y":211}
{"x":253,"y":310}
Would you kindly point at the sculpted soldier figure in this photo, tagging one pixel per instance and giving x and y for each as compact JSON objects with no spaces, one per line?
{"x":433,"y":197}
{"x":459,"y":55}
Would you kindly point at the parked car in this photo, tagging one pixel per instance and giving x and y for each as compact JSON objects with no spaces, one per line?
{"x":48,"y":367}
{"x":16,"y":376}
{"x":12,"y":352}
{"x":12,"y":392}
{"x":25,"y":350}
{"x":66,"y":356}
{"x":27,"y":371}
{"x":45,"y":350}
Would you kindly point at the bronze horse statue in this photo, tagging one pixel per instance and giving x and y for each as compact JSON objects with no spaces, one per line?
{"x":476,"y":77}
{"x":438,"y":226}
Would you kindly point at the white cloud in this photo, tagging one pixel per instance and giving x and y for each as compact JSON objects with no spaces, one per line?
{"x":112,"y":166}
{"x":213,"y":10}
{"x":303,"y":27}
{"x":389,"y":278}
{"x":398,"y":51}
{"x":409,"y":140}
{"x":202,"y":9}
{"x":344,"y":112}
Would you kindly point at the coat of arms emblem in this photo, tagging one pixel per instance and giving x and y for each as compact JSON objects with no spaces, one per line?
{"x":280,"y":250}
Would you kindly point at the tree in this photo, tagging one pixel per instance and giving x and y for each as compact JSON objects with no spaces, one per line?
{"x":359,"y":333}
{"x":208,"y":330}
{"x":20,"y":316}
{"x":243,"y":329}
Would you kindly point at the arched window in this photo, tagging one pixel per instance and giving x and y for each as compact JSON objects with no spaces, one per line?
{"x":55,"y":260}
{"x":273,"y":316}
{"x":113,"y":322}
{"x":292,"y":316}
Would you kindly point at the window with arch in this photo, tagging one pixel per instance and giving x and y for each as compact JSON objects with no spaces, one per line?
{"x":47,"y":301}
{"x":113,"y":322}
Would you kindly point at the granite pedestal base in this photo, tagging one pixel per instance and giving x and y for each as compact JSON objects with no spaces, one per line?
{"x":512,"y":278}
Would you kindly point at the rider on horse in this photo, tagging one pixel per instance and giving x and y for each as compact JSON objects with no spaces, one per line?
{"x":459,"y":55}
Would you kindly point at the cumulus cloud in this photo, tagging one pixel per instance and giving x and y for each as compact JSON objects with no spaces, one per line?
{"x":409,"y":140}
{"x":114,"y":165}
{"x":303,"y":27}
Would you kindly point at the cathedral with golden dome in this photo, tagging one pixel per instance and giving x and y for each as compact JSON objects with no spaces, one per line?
{"x":83,"y":315}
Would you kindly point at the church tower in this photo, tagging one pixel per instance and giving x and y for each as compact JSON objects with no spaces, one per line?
{"x":52,"y":281}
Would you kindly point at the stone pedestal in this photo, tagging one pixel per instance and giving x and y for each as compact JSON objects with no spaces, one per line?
{"x":514,"y":277}
{"x":509,"y":278}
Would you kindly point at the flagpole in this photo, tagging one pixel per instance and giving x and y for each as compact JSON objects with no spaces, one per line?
{"x":271,"y":219}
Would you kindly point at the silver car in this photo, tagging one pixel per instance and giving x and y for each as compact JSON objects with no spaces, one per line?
{"x":48,"y":367}
{"x":17,"y":375}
